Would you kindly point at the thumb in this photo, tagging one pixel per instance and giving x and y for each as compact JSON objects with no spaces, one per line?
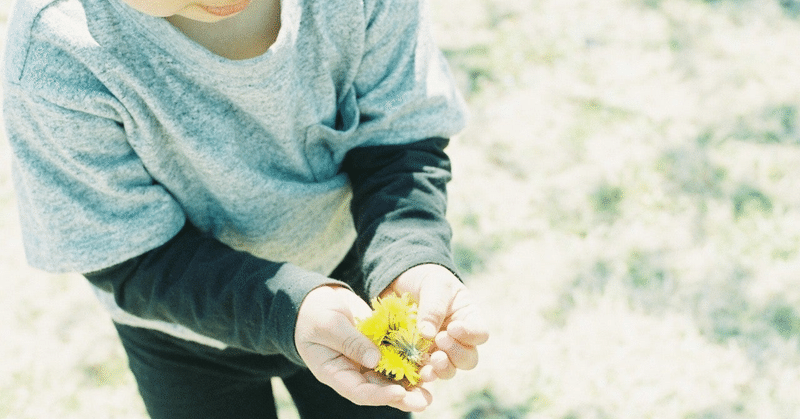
{"x":353,"y":344}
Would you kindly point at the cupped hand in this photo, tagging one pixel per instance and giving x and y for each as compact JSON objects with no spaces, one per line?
{"x":335,"y":351}
{"x":446,"y":314}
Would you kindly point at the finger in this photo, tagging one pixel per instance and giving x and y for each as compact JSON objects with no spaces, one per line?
{"x":357,"y":308}
{"x":341,"y":336}
{"x":415,"y":400}
{"x":468,"y":332}
{"x":441,"y":366}
{"x":434,"y":306}
{"x":462,"y":357}
{"x":427,"y":374}
{"x":352,"y":306}
{"x":466,"y":320}
{"x":340,"y":374}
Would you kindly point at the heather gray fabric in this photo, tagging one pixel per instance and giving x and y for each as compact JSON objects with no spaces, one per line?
{"x":122,"y":128}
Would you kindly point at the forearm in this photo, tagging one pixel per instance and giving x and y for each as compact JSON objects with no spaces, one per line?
{"x":199,"y":283}
{"x":399,"y":208}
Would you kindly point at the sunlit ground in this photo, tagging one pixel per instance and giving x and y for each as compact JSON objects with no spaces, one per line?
{"x":626,"y":206}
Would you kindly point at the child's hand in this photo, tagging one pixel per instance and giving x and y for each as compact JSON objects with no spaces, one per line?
{"x":447,"y":315}
{"x":334,"y":351}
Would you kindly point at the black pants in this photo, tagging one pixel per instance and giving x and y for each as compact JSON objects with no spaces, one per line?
{"x":179,"y":379}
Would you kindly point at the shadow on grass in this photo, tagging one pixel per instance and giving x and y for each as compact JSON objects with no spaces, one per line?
{"x":485,"y":405}
{"x":474,"y":256}
{"x":689,"y":170}
{"x":775,"y":124}
{"x":643,"y":279}
{"x":790,"y":8}
{"x":474,"y":247}
{"x":783,"y":318}
{"x":734,"y":411}
{"x":749,"y":200}
{"x":606,"y":201}
{"x":472,"y":67}
{"x":469,"y":259}
{"x":587,"y":413}
{"x":721,"y":308}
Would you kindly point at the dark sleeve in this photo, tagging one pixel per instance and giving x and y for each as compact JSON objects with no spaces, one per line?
{"x":399,"y":205}
{"x":197,"y":282}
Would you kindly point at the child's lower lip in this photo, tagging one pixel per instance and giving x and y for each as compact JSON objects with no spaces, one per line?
{"x":223,"y":11}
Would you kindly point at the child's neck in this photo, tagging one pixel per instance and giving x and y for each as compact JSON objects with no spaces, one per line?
{"x":245,"y":35}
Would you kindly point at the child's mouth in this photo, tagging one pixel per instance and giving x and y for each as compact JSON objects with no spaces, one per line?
{"x":229,"y":10}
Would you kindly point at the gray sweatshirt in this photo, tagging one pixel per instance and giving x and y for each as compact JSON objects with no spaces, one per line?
{"x":123,"y":130}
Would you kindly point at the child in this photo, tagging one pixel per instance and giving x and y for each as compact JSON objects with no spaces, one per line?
{"x":235,"y":178}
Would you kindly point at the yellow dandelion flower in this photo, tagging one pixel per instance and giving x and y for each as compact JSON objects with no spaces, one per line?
{"x":389,"y":314}
{"x":395,"y":366}
{"x":393,"y":328}
{"x":400,"y":312}
{"x":374,"y":327}
{"x":409,"y":344}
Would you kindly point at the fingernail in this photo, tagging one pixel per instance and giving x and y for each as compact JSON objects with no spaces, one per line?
{"x":371,"y":359}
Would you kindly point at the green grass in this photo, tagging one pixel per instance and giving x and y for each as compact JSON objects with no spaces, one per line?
{"x":625,"y":208}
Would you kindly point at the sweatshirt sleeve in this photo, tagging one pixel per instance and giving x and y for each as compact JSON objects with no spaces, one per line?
{"x":403,"y":89}
{"x":399,"y":208}
{"x":407,"y":107}
{"x":199,"y":283}
{"x":88,"y":204}
{"x":86,"y":199}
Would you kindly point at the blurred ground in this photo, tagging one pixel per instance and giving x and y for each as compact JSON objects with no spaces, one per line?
{"x":625,"y":204}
